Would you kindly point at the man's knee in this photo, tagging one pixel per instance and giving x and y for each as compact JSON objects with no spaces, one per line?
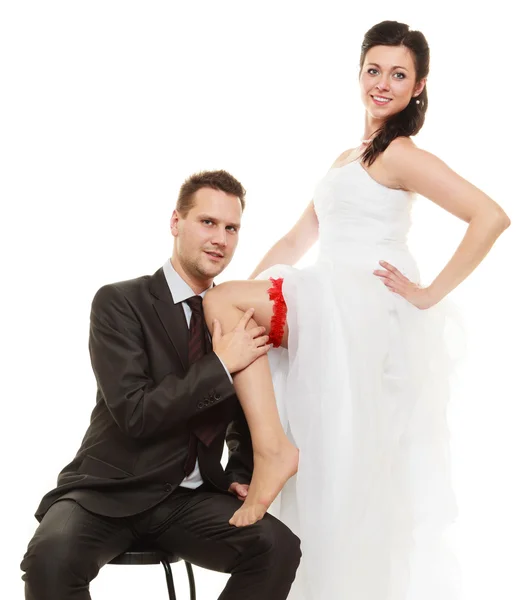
{"x":290,"y":551}
{"x":276,"y":543}
{"x":53,"y":563}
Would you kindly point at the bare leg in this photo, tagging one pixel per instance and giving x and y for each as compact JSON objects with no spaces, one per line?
{"x":275,"y":457}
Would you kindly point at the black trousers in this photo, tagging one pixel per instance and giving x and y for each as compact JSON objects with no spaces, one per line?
{"x":71,"y":544}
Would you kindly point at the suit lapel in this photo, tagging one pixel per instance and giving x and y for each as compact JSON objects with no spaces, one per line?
{"x":171,"y":316}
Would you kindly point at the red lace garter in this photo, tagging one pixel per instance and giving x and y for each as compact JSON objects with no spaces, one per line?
{"x":278,"y":319}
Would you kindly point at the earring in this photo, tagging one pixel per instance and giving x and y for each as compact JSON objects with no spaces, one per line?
{"x":417,"y":101}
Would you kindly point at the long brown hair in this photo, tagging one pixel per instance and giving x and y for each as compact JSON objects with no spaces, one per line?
{"x":410,"y":120}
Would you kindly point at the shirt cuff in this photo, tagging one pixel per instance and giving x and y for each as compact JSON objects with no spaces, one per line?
{"x":228,"y":373}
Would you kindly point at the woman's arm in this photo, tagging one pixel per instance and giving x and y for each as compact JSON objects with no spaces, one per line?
{"x":291,"y":247}
{"x":425,"y":174}
{"x":301,"y":237}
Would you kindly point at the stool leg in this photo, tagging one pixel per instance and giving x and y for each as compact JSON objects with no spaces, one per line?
{"x":170,"y":580}
{"x":190,"y":574}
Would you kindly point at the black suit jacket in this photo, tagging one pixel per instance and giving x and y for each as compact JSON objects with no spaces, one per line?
{"x":148,"y":401}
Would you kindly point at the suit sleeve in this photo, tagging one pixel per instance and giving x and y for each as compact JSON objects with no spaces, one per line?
{"x":140,"y":407}
{"x":239,"y":466}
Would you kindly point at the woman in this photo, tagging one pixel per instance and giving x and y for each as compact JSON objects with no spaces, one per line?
{"x":362,"y":388}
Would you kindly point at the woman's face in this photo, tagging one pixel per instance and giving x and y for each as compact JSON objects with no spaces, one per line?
{"x":388,"y":81}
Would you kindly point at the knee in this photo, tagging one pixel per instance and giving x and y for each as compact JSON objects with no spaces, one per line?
{"x":218,"y":298}
{"x":221,"y":293}
{"x":290,"y":551}
{"x":278,"y":543}
{"x":51,"y":564}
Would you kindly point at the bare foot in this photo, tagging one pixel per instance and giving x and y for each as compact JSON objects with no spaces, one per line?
{"x":270,"y":474}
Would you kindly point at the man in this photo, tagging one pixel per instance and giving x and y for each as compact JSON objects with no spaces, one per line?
{"x":149,"y":469}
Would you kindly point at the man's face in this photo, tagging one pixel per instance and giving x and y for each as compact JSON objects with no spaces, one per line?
{"x":206,"y":238}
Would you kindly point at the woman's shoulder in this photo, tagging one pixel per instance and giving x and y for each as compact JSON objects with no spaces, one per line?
{"x":400,"y":151}
{"x":395,"y":160}
{"x":400,"y":144}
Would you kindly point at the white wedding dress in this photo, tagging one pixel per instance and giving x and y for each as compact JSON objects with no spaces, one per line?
{"x":362,"y":391}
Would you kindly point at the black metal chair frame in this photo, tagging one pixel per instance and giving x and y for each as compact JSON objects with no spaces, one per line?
{"x":154,"y":557}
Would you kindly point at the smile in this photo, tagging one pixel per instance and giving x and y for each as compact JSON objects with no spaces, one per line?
{"x":380,"y":100}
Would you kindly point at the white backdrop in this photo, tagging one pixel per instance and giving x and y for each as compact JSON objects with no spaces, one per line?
{"x":107,"y":106}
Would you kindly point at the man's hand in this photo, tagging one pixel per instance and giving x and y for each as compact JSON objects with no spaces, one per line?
{"x":240,"y":347}
{"x":240,"y":490}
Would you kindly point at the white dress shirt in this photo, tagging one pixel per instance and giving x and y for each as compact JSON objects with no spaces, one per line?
{"x":180,"y":291}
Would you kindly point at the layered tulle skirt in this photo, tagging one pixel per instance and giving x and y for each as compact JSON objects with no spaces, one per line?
{"x":362,"y":390}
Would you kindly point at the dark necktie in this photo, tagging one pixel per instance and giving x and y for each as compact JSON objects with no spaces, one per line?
{"x":198,"y":346}
{"x":197,"y":335}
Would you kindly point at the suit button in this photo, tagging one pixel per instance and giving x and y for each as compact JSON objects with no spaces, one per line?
{"x":200,"y":404}
{"x":216,"y":397}
{"x":168,"y":487}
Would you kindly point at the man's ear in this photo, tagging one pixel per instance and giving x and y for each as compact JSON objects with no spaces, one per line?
{"x":175,"y":217}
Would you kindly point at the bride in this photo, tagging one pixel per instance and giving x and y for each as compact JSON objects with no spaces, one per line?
{"x":354,"y":402}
